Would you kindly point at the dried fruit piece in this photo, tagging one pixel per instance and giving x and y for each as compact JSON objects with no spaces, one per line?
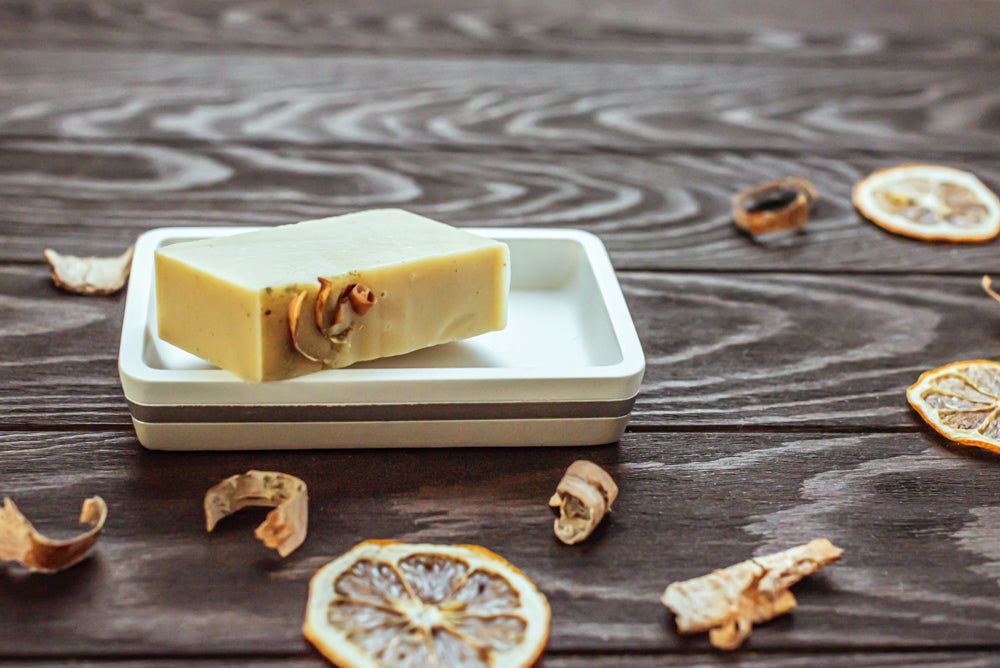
{"x":294,"y":315}
{"x":319,"y":307}
{"x":988,"y":287}
{"x":20,"y":542}
{"x":361,"y":298}
{"x":961,"y":401}
{"x":284,"y":528}
{"x":929,"y":202}
{"x":385,"y":603}
{"x":583,"y":496}
{"x":89,"y":275}
{"x":727,"y":603}
{"x":773,"y":206}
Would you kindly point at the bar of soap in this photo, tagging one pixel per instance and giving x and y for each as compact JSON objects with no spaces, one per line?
{"x":327,"y":293}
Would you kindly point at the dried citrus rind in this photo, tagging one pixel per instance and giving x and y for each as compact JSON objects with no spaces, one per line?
{"x":20,"y":542}
{"x":728,"y":602}
{"x":929,"y":202}
{"x":961,"y":401}
{"x":583,"y":497}
{"x":777,"y":205}
{"x":385,"y":603}
{"x":89,"y":275}
{"x":284,"y":528}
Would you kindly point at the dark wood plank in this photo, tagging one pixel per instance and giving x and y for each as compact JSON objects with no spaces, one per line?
{"x":493,"y":103}
{"x":663,"y":211}
{"x":734,"y":350}
{"x":952,"y":659}
{"x":778,"y":31}
{"x":917,"y":521}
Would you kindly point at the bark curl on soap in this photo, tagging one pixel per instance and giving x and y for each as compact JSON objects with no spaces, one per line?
{"x":583,"y":497}
{"x":358,"y":295}
{"x":777,"y":205}
{"x":89,"y":275}
{"x":727,"y":603}
{"x":284,"y":528}
{"x":20,"y":542}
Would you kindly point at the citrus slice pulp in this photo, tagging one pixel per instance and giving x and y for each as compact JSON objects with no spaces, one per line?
{"x":929,"y":202}
{"x":961,"y":401}
{"x":386,"y":603}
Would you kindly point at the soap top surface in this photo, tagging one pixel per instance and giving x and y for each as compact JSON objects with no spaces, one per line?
{"x":300,"y":252}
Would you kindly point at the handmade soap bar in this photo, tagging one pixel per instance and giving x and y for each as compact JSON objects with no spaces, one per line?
{"x":295,"y":299}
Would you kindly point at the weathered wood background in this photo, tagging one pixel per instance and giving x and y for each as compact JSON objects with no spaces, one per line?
{"x":773,"y":407}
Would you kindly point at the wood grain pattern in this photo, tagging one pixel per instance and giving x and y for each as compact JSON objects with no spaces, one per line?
{"x":666,"y":211}
{"x":777,"y":31}
{"x":494,"y":103}
{"x":734,"y":350}
{"x":554,"y":659}
{"x":772,"y":410}
{"x":907,"y":511}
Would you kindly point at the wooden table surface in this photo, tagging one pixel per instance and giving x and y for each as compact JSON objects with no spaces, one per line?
{"x":772,"y":410}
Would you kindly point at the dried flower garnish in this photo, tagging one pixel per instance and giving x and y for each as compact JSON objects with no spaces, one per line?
{"x":583,"y":496}
{"x":778,"y":205}
{"x":89,"y":275}
{"x":20,"y":542}
{"x":727,"y":603}
{"x":284,"y":528}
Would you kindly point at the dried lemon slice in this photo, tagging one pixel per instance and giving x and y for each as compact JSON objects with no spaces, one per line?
{"x":929,"y":202}
{"x":961,"y":401}
{"x":385,"y":603}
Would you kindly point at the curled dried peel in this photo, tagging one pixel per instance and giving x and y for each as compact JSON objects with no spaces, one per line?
{"x":360,"y":298}
{"x":284,"y":528}
{"x":987,"y":284}
{"x":294,"y":312}
{"x":583,"y":497}
{"x":778,"y":205}
{"x":728,"y":602}
{"x":20,"y":542}
{"x":89,"y":275}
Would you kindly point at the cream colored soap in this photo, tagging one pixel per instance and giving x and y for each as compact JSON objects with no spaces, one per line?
{"x":232,"y":300}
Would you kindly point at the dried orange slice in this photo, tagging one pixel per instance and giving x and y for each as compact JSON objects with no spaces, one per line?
{"x":385,"y":603}
{"x":961,"y":401}
{"x":929,"y":202}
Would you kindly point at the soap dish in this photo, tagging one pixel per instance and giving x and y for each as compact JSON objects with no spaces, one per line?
{"x":565,"y":371}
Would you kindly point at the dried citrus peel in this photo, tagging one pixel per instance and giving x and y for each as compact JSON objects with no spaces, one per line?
{"x":929,"y":202}
{"x":360,"y":298}
{"x":385,"y":603}
{"x":728,"y":602}
{"x":284,"y":528}
{"x":20,"y":542}
{"x":89,"y":275}
{"x":583,"y":497}
{"x":988,"y":287}
{"x":777,"y":205}
{"x":961,"y":401}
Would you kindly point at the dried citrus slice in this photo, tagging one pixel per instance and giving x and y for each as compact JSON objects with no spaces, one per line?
{"x":385,"y":603}
{"x":961,"y":401}
{"x":929,"y":202}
